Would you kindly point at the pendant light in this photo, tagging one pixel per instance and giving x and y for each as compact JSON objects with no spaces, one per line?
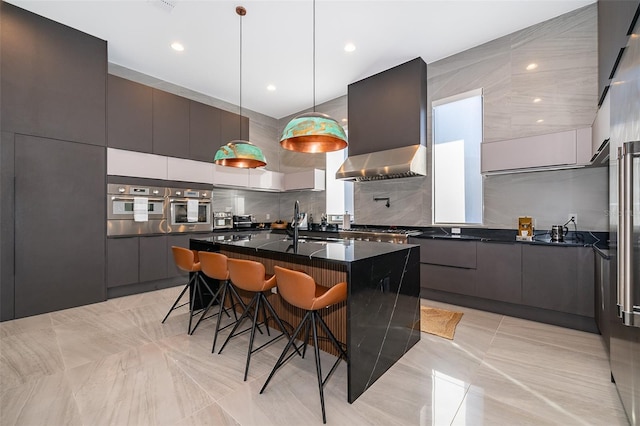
{"x":240,"y":153}
{"x":313,"y":131}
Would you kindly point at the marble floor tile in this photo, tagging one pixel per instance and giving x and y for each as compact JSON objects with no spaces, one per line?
{"x":36,"y":322}
{"x":114,"y":363}
{"x":28,"y":356}
{"x":47,"y":400}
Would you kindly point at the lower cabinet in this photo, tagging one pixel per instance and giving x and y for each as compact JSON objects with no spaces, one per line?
{"x":133,"y":260}
{"x":604,"y":297}
{"x":558,"y":278}
{"x":499,"y":275}
{"x":153,"y":258}
{"x":122,"y":261}
{"x":552,"y":278}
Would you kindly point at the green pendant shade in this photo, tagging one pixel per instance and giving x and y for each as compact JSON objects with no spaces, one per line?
{"x":241,"y":154}
{"x":313,"y":132}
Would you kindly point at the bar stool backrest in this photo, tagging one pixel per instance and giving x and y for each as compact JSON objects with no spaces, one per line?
{"x":297,"y":288}
{"x":185,"y":259}
{"x":214,"y":265}
{"x":246,"y":274}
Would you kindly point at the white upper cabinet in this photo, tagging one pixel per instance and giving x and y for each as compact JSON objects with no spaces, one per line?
{"x":572,"y":148}
{"x":307,"y":180}
{"x":266,"y":180}
{"x":136,"y":164}
{"x":189,"y":170}
{"x":230,"y":177}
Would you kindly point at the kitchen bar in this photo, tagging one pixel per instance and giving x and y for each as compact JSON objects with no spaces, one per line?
{"x":381,"y":319}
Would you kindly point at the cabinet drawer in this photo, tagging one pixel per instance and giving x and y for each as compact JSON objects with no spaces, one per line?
{"x":446,"y":278}
{"x":459,"y":254}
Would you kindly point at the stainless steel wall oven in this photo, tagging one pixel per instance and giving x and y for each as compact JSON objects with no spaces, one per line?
{"x":136,"y":210}
{"x":189,"y":210}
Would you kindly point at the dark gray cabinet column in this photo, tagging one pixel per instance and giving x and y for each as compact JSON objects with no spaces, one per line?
{"x":129,"y":115}
{"x":122,"y":261}
{"x":60,"y":217}
{"x":499,"y":273}
{"x":6,"y":226}
{"x":53,"y":78}
{"x":170,"y":124}
{"x":153,"y":258}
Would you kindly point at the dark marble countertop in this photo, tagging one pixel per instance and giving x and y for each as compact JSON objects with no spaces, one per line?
{"x":333,"y":249}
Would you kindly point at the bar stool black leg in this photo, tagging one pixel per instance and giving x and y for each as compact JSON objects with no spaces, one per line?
{"x":178,"y":300}
{"x":316,"y":352}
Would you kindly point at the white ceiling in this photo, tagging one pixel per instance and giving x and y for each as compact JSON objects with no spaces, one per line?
{"x":278,"y":40}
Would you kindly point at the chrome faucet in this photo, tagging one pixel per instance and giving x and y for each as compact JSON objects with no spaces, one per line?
{"x":296,"y":222}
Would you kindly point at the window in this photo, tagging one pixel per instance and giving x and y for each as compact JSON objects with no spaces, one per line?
{"x":339,"y":193}
{"x":457,"y":182}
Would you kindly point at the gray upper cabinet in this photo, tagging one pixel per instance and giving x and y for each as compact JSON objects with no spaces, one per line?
{"x":170,"y":124}
{"x":615,"y":19}
{"x":53,"y":79}
{"x":204,"y":131}
{"x":232,"y":127}
{"x":396,"y":97}
{"x":129,"y":115}
{"x":60,"y":217}
{"x":499,"y":275}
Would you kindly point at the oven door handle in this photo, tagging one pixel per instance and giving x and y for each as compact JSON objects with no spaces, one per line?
{"x":184,"y":200}
{"x":132,"y":199}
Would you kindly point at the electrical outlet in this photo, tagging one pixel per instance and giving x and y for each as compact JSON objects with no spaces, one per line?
{"x":268,"y":216}
{"x":574,"y":216}
{"x":274,"y":290}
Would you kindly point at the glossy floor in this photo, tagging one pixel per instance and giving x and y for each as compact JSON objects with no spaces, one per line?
{"x":113,"y":363}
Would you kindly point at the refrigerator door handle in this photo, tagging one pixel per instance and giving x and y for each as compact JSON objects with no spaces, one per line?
{"x":627,"y":311}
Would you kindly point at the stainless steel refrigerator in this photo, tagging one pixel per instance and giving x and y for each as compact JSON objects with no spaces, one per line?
{"x":624,"y":203}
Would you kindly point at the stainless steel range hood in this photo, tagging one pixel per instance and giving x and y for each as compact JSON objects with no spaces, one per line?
{"x":394,"y":163}
{"x":387,"y":116}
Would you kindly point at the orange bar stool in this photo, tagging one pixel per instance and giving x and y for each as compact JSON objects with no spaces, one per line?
{"x":250,"y":276}
{"x":187,"y":260}
{"x":301,"y":290}
{"x":214,"y":265}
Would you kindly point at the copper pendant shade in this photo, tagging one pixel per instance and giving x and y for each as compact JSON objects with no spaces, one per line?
{"x":240,"y":153}
{"x":313,"y":132}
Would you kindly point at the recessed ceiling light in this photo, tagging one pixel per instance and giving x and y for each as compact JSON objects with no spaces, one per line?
{"x":271,"y":88}
{"x":540,"y":121}
{"x":178,"y":47}
{"x":536,"y":100}
{"x":344,"y":120}
{"x":532,"y":66}
{"x":349,"y":47}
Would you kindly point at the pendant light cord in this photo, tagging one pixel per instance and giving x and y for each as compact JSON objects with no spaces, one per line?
{"x":314,"y":55}
{"x":240,"y":116}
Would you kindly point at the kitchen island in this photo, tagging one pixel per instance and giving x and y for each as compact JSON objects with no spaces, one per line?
{"x":380,"y":320}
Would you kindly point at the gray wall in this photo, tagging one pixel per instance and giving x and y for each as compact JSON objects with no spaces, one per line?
{"x":566,"y":50}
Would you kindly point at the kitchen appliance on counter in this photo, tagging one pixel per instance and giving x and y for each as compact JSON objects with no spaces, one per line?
{"x":525,"y":228}
{"x":189,"y":210}
{"x":135,"y":210}
{"x":222,"y":220}
{"x":558,"y":232}
{"x":242,"y":221}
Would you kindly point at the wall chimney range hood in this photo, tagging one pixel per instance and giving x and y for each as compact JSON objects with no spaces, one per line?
{"x":387,"y":125}
{"x":394,"y":163}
